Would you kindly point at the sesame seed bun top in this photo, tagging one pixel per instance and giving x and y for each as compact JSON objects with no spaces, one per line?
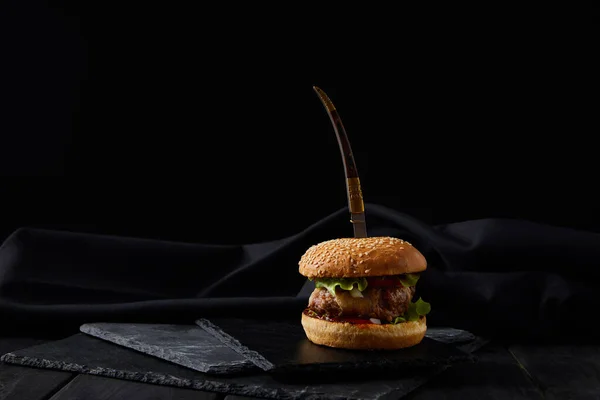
{"x":361,"y":257}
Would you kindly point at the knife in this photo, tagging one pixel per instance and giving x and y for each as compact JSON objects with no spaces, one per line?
{"x":355,"y":197}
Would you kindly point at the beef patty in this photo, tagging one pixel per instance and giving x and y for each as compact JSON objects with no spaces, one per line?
{"x":381,"y":303}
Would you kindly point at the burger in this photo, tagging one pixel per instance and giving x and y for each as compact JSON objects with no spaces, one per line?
{"x":363,"y":297}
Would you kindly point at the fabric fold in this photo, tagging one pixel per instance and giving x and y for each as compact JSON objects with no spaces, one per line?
{"x":494,"y":277}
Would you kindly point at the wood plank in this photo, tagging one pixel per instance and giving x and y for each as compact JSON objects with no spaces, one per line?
{"x":496,"y":375}
{"x":91,"y":387}
{"x":20,"y":383}
{"x":562,"y":371}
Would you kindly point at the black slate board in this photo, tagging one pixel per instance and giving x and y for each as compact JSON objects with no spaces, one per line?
{"x":85,"y":354}
{"x":186,"y":345}
{"x":89,"y":387}
{"x":19,"y":383}
{"x":281,"y":347}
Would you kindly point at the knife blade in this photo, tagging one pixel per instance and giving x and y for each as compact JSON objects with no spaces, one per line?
{"x":355,"y":196}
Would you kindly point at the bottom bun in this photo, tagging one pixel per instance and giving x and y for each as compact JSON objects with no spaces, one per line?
{"x":345,"y":335}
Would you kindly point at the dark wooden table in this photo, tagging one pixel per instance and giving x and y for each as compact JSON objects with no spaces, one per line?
{"x":503,"y":372}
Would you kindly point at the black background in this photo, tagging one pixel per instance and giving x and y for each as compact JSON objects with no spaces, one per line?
{"x":188,"y":124}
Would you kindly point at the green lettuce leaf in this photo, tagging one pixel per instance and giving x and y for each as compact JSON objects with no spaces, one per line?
{"x":344,"y":283}
{"x":408,"y":280}
{"x":415,"y":311}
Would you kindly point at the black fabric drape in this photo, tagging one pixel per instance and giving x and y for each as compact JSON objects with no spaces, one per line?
{"x":496,"y":277}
